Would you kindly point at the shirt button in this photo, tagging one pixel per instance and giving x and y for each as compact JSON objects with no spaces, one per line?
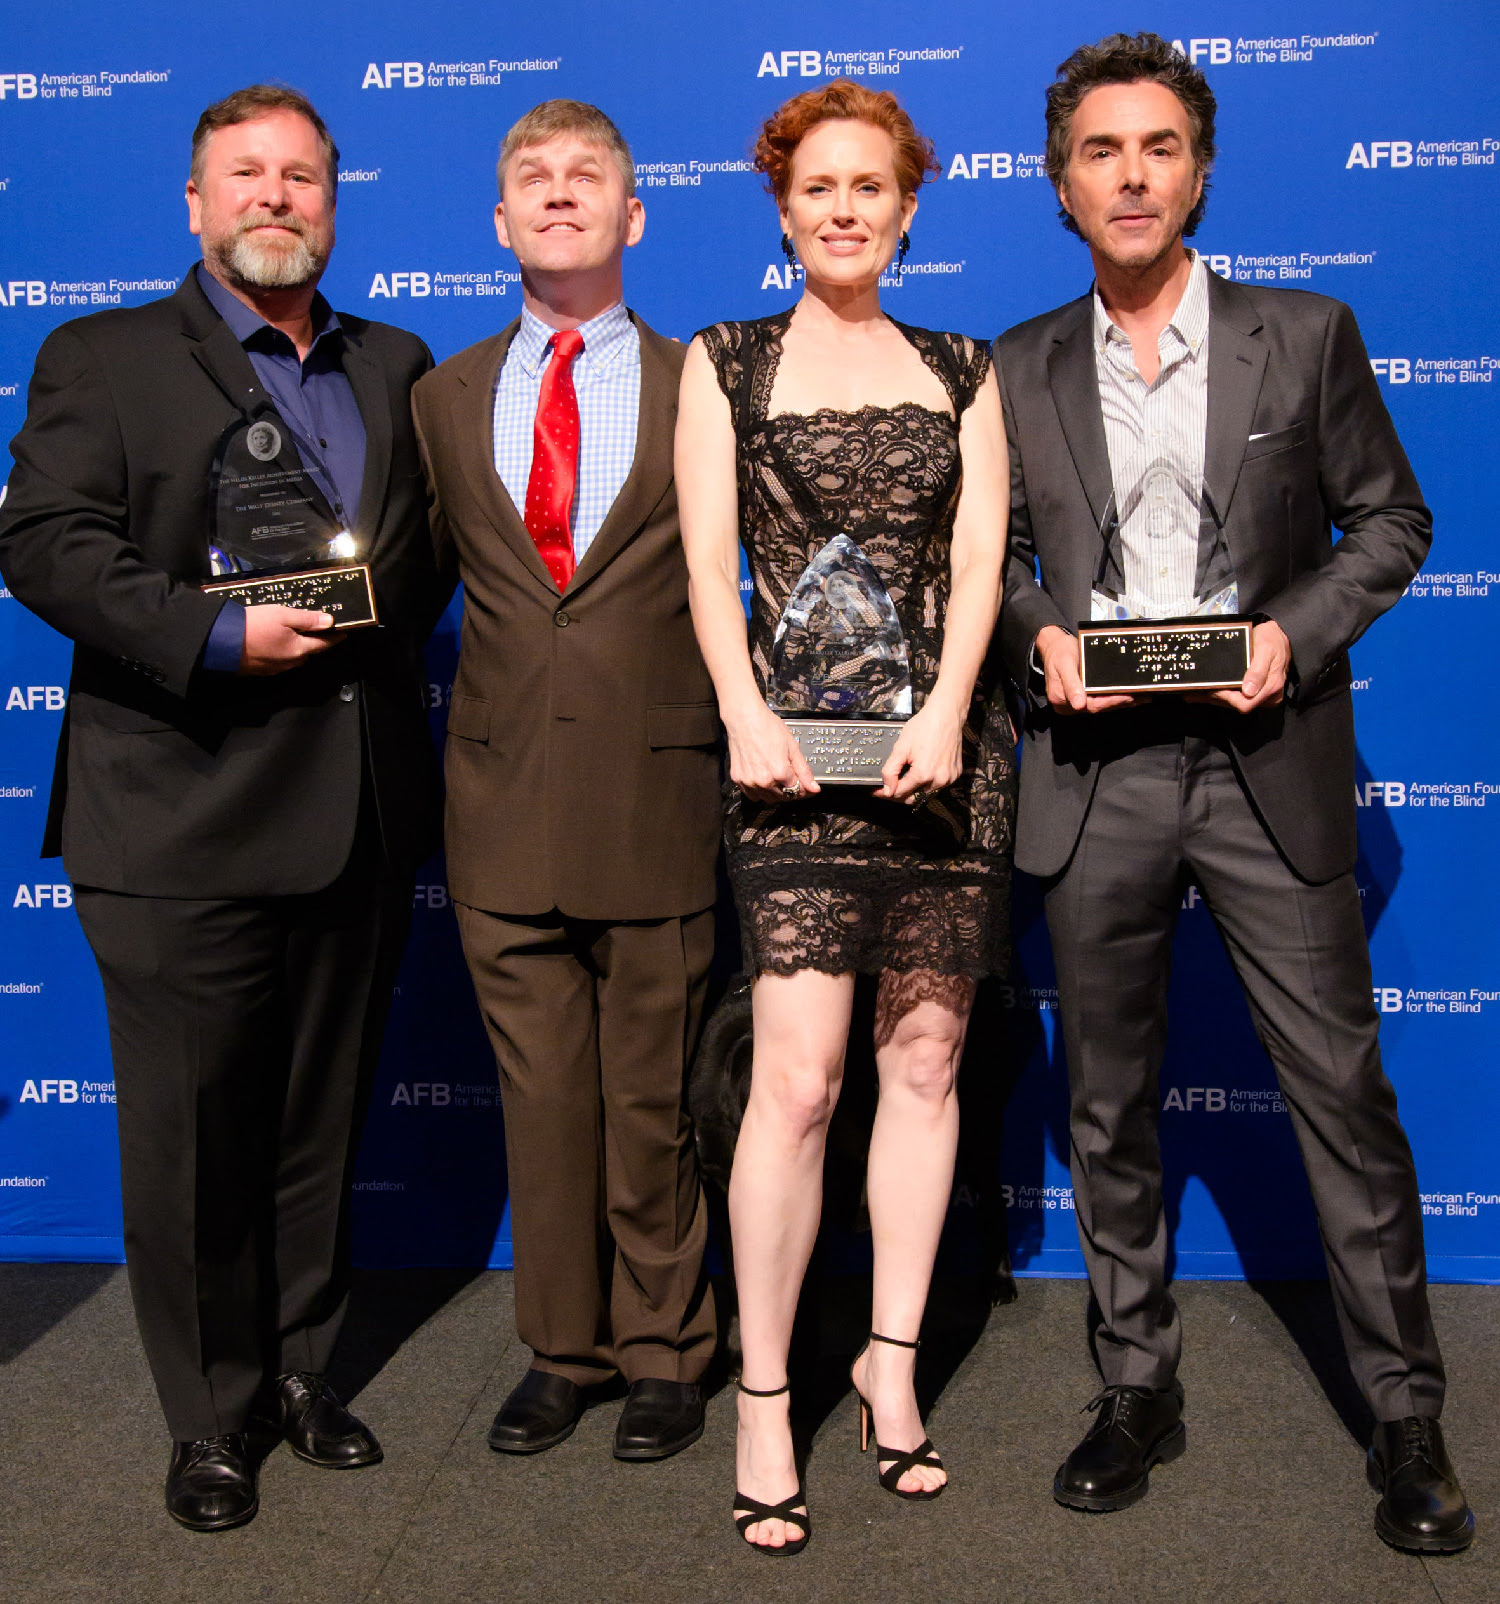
{"x":561,"y":620}
{"x":346,"y":693}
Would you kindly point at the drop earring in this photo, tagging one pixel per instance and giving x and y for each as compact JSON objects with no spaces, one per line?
{"x":789,"y":250}
{"x":901,"y":251}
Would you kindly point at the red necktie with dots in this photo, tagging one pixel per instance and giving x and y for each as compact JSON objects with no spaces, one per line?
{"x":554,"y":460}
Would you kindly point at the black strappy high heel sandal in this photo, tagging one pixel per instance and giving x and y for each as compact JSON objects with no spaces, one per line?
{"x":792,"y":1509}
{"x":899,"y":1460}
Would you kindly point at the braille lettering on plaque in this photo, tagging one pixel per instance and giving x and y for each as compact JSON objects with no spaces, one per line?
{"x":845,"y":751}
{"x":1164,"y":656}
{"x":345,"y":592}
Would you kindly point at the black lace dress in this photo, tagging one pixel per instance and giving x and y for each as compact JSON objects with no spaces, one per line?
{"x":845,"y":881}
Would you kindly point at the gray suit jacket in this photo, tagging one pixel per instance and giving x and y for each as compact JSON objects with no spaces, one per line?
{"x":1299,"y":444}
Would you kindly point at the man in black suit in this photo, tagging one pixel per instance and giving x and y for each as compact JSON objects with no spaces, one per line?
{"x":241,"y":795}
{"x":1183,"y":446}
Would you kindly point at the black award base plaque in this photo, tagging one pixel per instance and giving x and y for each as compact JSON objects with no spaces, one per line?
{"x":344,"y":591}
{"x":845,"y":751}
{"x":1170,"y":654}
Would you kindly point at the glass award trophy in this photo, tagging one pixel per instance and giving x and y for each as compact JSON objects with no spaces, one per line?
{"x":273,"y":537}
{"x":840,"y":675}
{"x":1124,"y":653}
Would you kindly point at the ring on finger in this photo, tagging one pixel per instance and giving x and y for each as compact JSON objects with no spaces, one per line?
{"x":793,"y":788}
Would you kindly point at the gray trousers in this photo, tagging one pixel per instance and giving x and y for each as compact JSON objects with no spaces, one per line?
{"x":1164,"y":815}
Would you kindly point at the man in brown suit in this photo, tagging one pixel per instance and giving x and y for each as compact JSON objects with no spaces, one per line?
{"x":583,"y":792}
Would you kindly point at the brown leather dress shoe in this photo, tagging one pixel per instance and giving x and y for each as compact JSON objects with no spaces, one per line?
{"x":540,"y":1413}
{"x":660,"y":1418}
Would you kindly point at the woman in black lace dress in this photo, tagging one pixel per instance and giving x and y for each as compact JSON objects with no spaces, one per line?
{"x":855,"y":458}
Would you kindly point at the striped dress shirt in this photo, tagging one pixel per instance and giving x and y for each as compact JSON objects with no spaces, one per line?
{"x":607,"y":380}
{"x":1168,"y":559}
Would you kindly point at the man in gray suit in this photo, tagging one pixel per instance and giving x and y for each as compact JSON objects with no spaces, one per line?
{"x":1183,"y":446}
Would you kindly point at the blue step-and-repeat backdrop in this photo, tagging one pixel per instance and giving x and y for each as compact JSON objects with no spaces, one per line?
{"x":1359,"y":144}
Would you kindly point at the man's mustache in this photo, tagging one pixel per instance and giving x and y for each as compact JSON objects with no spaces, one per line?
{"x":253,"y":220}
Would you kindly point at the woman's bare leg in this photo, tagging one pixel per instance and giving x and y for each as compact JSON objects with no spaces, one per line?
{"x":775,"y":1199}
{"x":920,"y":1021}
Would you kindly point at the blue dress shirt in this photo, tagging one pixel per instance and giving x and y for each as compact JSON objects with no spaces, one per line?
{"x":316,"y":401}
{"x":607,"y":381}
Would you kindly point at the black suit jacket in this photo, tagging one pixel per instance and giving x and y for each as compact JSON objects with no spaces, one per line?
{"x":172,"y":781}
{"x":1299,"y":444}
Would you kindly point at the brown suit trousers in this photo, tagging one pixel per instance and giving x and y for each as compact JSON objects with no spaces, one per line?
{"x":591,"y":1024}
{"x":582,"y":830}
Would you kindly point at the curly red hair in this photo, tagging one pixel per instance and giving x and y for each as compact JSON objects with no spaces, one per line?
{"x":842,"y":100}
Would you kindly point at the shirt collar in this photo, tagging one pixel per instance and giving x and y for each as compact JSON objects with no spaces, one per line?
{"x":1189,"y":322}
{"x":245,"y":323}
{"x":604,"y":338}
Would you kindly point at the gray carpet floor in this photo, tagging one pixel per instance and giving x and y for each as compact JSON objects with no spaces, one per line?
{"x":1268,"y":1504}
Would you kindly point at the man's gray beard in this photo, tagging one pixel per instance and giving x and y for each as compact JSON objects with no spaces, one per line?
{"x":260,"y":265}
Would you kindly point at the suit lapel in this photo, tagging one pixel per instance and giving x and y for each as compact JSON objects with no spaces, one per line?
{"x":1074,"y":381}
{"x":223,"y":358}
{"x":650,"y":470}
{"x":1236,"y":366}
{"x":374,"y":403}
{"x":473,"y":413}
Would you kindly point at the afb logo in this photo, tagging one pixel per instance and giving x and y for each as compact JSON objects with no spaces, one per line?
{"x":398,"y":75}
{"x":792,"y":64}
{"x":24,"y":292}
{"x":43,"y":896}
{"x":22,"y":85}
{"x":1211,"y":1099}
{"x":1393,"y":152}
{"x":434,"y":1093}
{"x":50,"y":1091}
{"x":415,"y":285}
{"x":1216,"y":52}
{"x":36,"y":699}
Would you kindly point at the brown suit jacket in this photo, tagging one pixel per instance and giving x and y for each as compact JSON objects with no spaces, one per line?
{"x":582,"y":758}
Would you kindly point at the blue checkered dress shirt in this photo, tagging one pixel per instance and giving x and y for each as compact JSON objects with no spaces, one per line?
{"x":607,"y":379}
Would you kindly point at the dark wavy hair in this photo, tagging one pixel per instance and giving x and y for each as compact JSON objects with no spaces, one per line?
{"x":1123,"y":58}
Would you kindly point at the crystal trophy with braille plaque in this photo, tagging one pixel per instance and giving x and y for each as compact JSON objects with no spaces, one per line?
{"x":1123,"y":653}
{"x":273,"y":538}
{"x":840,"y":675}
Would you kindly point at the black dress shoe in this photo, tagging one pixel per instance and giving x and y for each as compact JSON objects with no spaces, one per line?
{"x":1422,"y":1507}
{"x":660,"y":1418}
{"x":1110,"y":1469}
{"x":540,"y":1413}
{"x":318,"y":1428}
{"x":211,"y":1483}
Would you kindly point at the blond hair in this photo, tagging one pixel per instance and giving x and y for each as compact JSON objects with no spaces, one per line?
{"x":554,"y":117}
